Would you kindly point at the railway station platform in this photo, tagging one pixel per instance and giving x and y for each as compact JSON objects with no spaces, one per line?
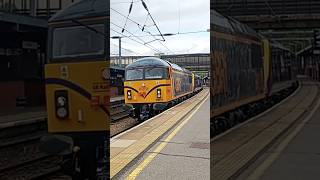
{"x":28,"y":115}
{"x":22,"y":116}
{"x":281,"y":85}
{"x":171,"y":145}
{"x":277,"y":144}
{"x":117,"y":98}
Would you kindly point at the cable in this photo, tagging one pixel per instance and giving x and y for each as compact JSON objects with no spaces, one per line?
{"x":179,"y":15}
{"x":143,"y":27}
{"x":142,"y":40}
{"x":144,"y":43}
{"x":139,"y":25}
{"x":156,"y":50}
{"x":130,"y":9}
{"x":146,"y":8}
{"x":173,"y":34}
{"x":129,"y":50}
{"x":124,"y":2}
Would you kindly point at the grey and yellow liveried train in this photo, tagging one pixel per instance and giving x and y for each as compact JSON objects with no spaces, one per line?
{"x":152,"y":84}
{"x":77,"y":78}
{"x":243,"y":64}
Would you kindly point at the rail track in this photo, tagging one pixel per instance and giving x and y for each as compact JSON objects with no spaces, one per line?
{"x":20,"y":157}
{"x":121,"y":120}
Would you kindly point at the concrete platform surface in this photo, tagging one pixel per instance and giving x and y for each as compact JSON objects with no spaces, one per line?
{"x":185,"y":156}
{"x":127,"y":147}
{"x":296,"y":156}
{"x":232,"y":152}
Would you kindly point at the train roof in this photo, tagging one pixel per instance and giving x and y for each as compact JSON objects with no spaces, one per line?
{"x":148,"y":61}
{"x":83,"y":9}
{"x":229,"y":24}
{"x":152,"y":61}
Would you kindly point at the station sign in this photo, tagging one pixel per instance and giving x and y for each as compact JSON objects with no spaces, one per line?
{"x":316,"y":44}
{"x":29,"y":45}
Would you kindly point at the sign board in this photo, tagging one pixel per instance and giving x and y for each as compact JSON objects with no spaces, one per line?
{"x":316,"y":51}
{"x":29,"y":45}
{"x":316,"y":44}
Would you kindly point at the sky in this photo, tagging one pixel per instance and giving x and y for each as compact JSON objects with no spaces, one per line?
{"x":170,"y":16}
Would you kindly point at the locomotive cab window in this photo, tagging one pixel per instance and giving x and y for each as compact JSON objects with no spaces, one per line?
{"x":156,"y":73}
{"x":78,"y":41}
{"x":134,"y":74}
{"x":87,"y":41}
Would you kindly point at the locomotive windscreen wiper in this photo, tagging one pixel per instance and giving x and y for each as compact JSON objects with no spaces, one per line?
{"x":89,"y":28}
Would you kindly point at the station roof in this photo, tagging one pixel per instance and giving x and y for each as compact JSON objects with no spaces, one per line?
{"x":83,"y":9}
{"x":24,"y":20}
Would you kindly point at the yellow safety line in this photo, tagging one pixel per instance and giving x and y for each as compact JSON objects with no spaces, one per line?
{"x":135,"y":173}
{"x":260,"y":170}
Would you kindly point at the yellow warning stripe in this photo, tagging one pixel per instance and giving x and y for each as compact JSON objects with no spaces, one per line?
{"x":135,"y":173}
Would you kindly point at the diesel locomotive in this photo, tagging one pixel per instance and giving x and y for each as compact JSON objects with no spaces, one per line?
{"x":242,"y":67}
{"x":77,"y":85}
{"x":152,"y":84}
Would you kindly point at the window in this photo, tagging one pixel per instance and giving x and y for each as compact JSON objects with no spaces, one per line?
{"x":78,"y":41}
{"x":156,"y":73}
{"x":134,"y":74}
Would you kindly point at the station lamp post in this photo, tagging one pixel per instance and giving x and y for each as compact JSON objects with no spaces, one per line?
{"x":118,"y":37}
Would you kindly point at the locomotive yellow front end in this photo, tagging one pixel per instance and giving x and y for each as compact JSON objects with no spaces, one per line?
{"x":150,"y":91}
{"x":148,"y":86}
{"x":77,"y":88}
{"x":77,"y":97}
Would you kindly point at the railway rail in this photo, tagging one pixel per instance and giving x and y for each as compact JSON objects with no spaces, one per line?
{"x":118,"y":112}
{"x":121,"y":120}
{"x":20,"y":157}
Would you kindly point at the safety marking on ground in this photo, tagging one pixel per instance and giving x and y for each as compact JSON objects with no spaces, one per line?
{"x":135,"y":173}
{"x":194,"y":98}
{"x":261,"y":169}
{"x":123,"y":143}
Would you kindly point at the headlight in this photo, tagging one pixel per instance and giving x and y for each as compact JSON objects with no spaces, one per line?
{"x":61,"y":103}
{"x":62,"y":112}
{"x":158,"y":93}
{"x":129,"y":95}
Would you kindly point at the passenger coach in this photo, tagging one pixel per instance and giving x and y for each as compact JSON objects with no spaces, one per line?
{"x":241,"y":71}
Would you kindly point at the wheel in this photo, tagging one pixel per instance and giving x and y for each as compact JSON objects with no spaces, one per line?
{"x":144,"y":112}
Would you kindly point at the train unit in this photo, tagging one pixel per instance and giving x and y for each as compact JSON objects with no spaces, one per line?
{"x":152,"y":84}
{"x":242,"y":67}
{"x":77,"y":85}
